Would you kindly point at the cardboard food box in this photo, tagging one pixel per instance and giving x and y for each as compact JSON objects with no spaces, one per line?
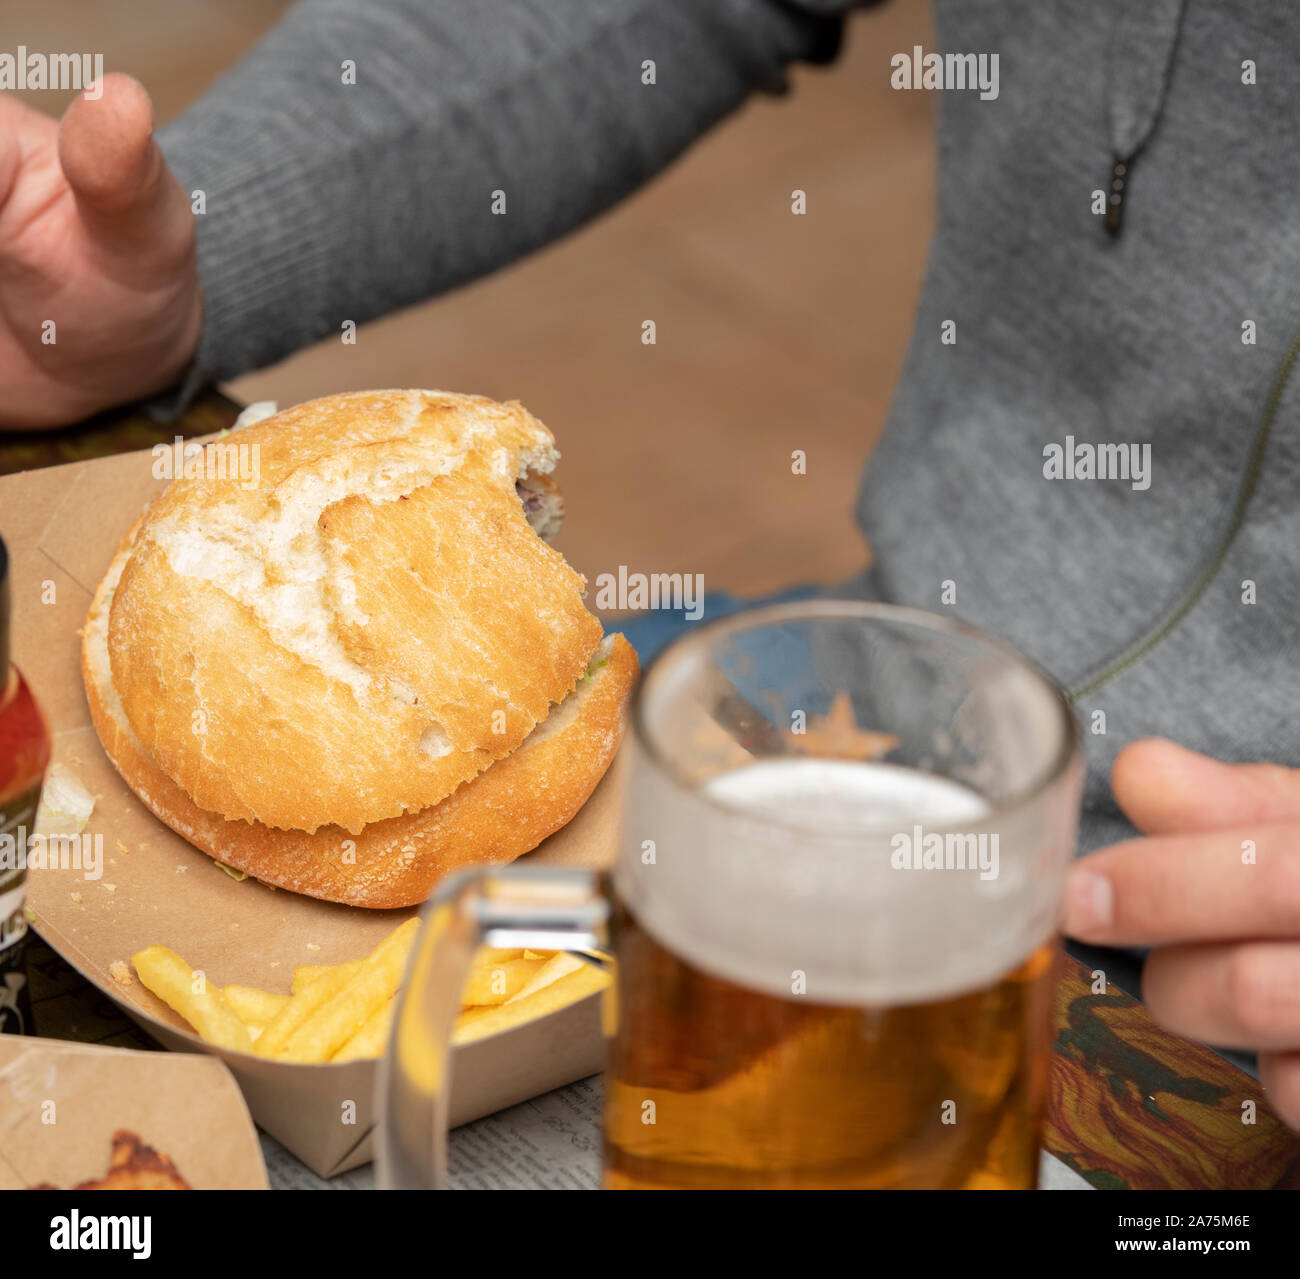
{"x":62,"y":526}
{"x":64,"y":1107}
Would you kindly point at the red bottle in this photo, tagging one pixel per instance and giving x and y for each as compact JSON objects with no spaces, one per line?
{"x":24,"y":755}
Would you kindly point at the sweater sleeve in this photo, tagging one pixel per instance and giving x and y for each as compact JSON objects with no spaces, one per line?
{"x":366,"y":156}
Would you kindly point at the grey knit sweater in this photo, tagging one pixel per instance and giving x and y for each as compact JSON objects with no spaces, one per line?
{"x":1167,"y":595}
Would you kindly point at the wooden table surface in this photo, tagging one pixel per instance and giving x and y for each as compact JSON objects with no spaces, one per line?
{"x":1130,"y":1106}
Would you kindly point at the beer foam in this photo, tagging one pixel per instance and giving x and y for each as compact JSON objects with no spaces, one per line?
{"x":836,"y":793}
{"x":778,"y":874}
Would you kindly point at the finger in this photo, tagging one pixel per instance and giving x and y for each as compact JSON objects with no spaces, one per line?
{"x":17,"y":120}
{"x":1214,"y":886}
{"x":1166,"y":789}
{"x":1236,"y":995}
{"x":1280,"y":1075}
{"x":114,"y":167}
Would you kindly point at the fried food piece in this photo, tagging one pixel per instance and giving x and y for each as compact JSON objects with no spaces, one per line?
{"x":132,"y":1166}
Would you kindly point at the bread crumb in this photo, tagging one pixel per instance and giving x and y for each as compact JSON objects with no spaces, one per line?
{"x":120,"y":972}
{"x":112,"y":888}
{"x":76,"y":897}
{"x":311,"y":945}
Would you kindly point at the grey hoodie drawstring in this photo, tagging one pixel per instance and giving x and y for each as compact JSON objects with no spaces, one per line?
{"x":1138,"y":68}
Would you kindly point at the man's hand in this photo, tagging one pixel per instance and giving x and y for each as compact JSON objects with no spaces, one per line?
{"x":96,"y":237}
{"x":1215,"y":889}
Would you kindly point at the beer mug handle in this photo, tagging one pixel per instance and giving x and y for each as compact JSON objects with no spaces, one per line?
{"x":535,"y":907}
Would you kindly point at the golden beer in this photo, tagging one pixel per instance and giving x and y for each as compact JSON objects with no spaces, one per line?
{"x":712,"y":1085}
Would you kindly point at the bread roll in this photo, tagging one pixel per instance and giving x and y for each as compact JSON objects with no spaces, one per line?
{"x":366,"y":668}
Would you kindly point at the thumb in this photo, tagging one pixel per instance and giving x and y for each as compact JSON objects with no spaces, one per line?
{"x":114,"y":166}
{"x":1168,"y":790}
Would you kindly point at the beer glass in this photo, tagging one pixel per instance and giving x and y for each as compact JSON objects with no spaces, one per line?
{"x":833,"y":914}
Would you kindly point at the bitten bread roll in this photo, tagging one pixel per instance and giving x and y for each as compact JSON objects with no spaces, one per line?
{"x":366,"y":668}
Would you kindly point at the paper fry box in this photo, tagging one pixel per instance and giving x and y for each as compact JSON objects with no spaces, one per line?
{"x":63,"y":525}
{"x":63,"y":1105}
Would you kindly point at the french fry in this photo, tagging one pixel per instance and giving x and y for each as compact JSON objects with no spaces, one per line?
{"x":304,"y":975}
{"x":170,"y":978}
{"x":558,"y":965}
{"x":301,"y":1006}
{"x":344,"y":1012}
{"x":255,"y":1008}
{"x":372,"y":1038}
{"x":336,"y":1018}
{"x":478,"y":1023}
{"x":497,"y":982}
